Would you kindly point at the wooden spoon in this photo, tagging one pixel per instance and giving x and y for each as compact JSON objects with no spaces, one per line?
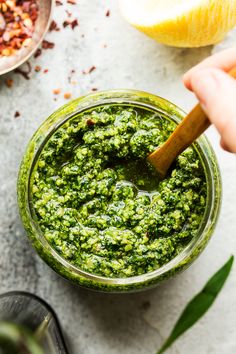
{"x":191,"y":127}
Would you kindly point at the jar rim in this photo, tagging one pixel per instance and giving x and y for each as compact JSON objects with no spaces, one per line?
{"x":155,"y":103}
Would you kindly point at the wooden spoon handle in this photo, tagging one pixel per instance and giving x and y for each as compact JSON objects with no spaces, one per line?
{"x":190,"y":128}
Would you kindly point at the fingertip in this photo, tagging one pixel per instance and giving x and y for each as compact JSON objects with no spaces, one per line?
{"x":205,"y":81}
{"x":190,"y":76}
{"x":201,"y":84}
{"x":225,"y":147}
{"x":223,"y":60}
{"x":187,"y":80}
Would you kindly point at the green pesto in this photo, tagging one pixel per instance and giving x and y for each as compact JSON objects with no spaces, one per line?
{"x":99,"y":203}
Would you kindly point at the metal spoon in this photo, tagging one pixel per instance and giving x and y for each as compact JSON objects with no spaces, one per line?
{"x":191,"y":127}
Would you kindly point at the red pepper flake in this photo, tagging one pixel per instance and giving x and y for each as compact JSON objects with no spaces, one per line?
{"x":17,"y":114}
{"x":37,"y":68}
{"x":94,"y":89}
{"x":56,"y":91}
{"x":45,"y":71}
{"x":74,"y":23}
{"x":47,"y":44}
{"x":38,"y":53}
{"x":65,"y":23}
{"x":9,"y":82}
{"x":67,"y":95}
{"x":92,"y":69}
{"x":58,"y":3}
{"x":72,"y":2}
{"x":108,"y":13}
{"x":54,"y":26}
{"x":24,"y":73}
{"x":17,"y":25}
{"x":89,"y":71}
{"x":90,"y":122}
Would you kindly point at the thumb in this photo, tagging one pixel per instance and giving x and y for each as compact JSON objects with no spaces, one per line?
{"x":216,"y":92}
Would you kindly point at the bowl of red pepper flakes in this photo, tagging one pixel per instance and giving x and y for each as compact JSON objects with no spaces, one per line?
{"x":23,"y":24}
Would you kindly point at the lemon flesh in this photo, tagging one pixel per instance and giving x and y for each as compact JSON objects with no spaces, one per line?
{"x":182,"y":23}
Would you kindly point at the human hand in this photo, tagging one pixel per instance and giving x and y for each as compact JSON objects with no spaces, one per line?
{"x":216,"y":92}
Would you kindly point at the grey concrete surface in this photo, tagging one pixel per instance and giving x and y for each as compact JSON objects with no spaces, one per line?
{"x":124,"y":58}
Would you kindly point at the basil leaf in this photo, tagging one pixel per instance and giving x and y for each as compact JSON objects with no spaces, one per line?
{"x":199,"y":305}
{"x":16,"y":339}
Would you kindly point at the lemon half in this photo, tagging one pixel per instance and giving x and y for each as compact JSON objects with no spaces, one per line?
{"x":182,"y":23}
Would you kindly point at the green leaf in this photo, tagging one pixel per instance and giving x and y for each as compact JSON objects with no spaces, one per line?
{"x":16,"y":339}
{"x":199,"y":305}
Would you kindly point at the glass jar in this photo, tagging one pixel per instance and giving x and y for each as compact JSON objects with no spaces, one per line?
{"x":29,"y":325}
{"x":71,"y":272}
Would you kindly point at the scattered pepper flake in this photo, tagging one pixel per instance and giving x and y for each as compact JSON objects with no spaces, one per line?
{"x":47,"y":44}
{"x":9,"y":82}
{"x":37,"y":68}
{"x":89,"y":71}
{"x":45,"y":71}
{"x":94,"y":89}
{"x":108,"y":13}
{"x":38,"y":53}
{"x":58,"y":3}
{"x":65,"y":23}
{"x":72,"y":23}
{"x":56,"y":91}
{"x":67,"y":95}
{"x":54,"y":26}
{"x":17,"y":114}
{"x":72,"y":2}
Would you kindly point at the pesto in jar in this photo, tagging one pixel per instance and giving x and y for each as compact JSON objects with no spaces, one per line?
{"x":100,"y":204}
